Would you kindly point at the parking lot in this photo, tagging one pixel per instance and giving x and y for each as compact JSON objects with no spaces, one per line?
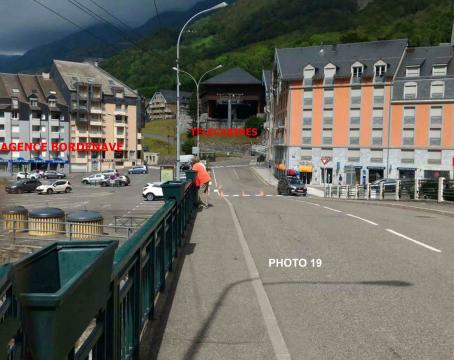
{"x":117,"y":204}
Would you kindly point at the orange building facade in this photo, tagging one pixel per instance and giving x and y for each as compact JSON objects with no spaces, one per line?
{"x":350,"y":113}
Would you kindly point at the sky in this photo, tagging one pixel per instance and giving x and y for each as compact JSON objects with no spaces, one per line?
{"x":25,"y":24}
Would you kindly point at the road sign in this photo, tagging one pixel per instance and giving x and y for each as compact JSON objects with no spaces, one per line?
{"x":453,"y":161}
{"x":325,"y":160}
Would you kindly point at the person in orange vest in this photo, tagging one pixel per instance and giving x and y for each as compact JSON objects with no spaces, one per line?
{"x":202,"y":181}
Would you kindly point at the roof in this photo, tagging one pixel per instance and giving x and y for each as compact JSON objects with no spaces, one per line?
{"x":23,"y":86}
{"x":426,"y":57}
{"x":74,"y":72}
{"x":267,"y":79}
{"x":171,"y":95}
{"x":291,"y":61}
{"x":235,"y":76}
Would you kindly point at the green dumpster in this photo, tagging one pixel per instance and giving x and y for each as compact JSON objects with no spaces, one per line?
{"x":9,"y":326}
{"x":174,"y":190}
{"x":190,"y":175}
{"x":61,"y":288}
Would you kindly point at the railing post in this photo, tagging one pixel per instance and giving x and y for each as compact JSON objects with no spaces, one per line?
{"x":356,"y":191}
{"x":367,"y":195}
{"x":397,"y":190}
{"x":348,"y":191}
{"x":380,"y":196}
{"x":338,"y":191}
{"x":330,"y":190}
{"x":14,"y":232}
{"x":441,"y":182}
{"x":70,"y":231}
{"x":416,"y":190}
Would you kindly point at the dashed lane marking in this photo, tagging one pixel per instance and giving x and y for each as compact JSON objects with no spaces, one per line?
{"x":413,"y":240}
{"x":362,"y":219}
{"x":331,"y":209}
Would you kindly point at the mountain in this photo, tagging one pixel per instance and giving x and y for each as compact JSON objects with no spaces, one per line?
{"x":106,"y":42}
{"x":246,"y":33}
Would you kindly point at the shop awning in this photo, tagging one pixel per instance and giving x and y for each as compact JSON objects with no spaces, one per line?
{"x":57,"y":161}
{"x":20,"y":160}
{"x":305,"y":168}
{"x":3,"y":160}
{"x":281,"y":167}
{"x":376,"y":167}
{"x":407,"y":168}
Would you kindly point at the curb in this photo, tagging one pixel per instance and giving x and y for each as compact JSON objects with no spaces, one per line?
{"x":265,"y":179}
{"x":397,"y":205}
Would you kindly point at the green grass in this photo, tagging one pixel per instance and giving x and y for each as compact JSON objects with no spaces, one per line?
{"x":161,"y":127}
{"x":159,"y":146}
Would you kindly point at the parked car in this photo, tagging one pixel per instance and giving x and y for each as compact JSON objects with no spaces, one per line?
{"x":143,"y":169}
{"x":59,"y":186}
{"x":22,"y":175}
{"x":52,"y":174}
{"x":36,"y":174}
{"x":23,"y":185}
{"x":152,"y":191}
{"x":122,"y":180}
{"x":291,"y":186}
{"x":94,"y":179}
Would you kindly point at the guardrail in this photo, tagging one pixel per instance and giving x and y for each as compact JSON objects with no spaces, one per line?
{"x":418,"y":189}
{"x":112,"y":331}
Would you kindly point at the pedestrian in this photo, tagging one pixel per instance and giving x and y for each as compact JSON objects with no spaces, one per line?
{"x":202,"y":181}
{"x":340,"y":179}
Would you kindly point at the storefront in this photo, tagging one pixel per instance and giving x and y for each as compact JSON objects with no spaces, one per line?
{"x":19,"y":164}
{"x":305,"y":173}
{"x":376,"y":173}
{"x":435,"y":174}
{"x":407,"y":173}
{"x":38,"y":164}
{"x":3,"y":166}
{"x":327,"y":175}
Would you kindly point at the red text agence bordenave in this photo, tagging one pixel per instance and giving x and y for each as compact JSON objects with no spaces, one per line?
{"x":252,"y":132}
{"x":62,"y":146}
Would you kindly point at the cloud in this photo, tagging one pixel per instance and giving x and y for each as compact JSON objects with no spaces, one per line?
{"x":25,"y":24}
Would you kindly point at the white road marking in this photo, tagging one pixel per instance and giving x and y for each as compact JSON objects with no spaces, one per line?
{"x":365,"y":220}
{"x":226,"y":195}
{"x":246,"y":195}
{"x":308,"y":202}
{"x":235,"y":195}
{"x":274,"y":332}
{"x":268,"y":195}
{"x":236,"y":174}
{"x":214,"y":178}
{"x":413,"y":240}
{"x":331,"y":209}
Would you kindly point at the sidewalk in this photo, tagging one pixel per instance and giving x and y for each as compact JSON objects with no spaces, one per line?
{"x":267,"y":175}
{"x":214,"y":313}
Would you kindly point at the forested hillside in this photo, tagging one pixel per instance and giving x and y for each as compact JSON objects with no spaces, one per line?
{"x":246,"y":33}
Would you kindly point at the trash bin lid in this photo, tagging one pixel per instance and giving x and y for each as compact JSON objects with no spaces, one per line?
{"x":84,"y":216}
{"x":48,"y":212}
{"x":15,"y":210}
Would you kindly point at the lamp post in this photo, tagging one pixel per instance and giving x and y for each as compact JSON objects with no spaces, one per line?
{"x":197,"y":85}
{"x":219,"y":6}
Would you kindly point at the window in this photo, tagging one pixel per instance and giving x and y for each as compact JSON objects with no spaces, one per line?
{"x":35,"y":128}
{"x":377,"y":137}
{"x":2,"y":127}
{"x":309,"y":72}
{"x":437,"y":89}
{"x":377,"y":118}
{"x":354,"y":155}
{"x":43,"y":128}
{"x":412,"y":71}
{"x":409,"y":116}
{"x":436,"y":116}
{"x":439,"y":70}
{"x":356,"y":96}
{"x":357,"y":71}
{"x":327,"y":118}
{"x":52,"y":102}
{"x":355,"y":117}
{"x":33,"y":101}
{"x":307,"y":98}
{"x":328,"y":96}
{"x":408,"y":136}
{"x":15,"y":103}
{"x":307,"y":118}
{"x":327,"y":136}
{"x":307,"y":137}
{"x":2,"y":114}
{"x":15,"y":114}
{"x":327,"y":153}
{"x":330,"y":71}
{"x":354,"y":137}
{"x":15,"y":129}
{"x":376,"y":155}
{"x":380,"y":70}
{"x":2,"y":140}
{"x":55,"y":129}
{"x":306,"y":154}
{"x":407,"y":156}
{"x":410,"y":90}
{"x":379,"y":95}
{"x":434,"y":157}
{"x":435,"y":137}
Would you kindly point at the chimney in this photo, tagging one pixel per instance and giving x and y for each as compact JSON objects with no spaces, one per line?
{"x":46,"y":76}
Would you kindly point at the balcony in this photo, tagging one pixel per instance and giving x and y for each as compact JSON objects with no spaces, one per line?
{"x":82,"y":133}
{"x":120,"y":111}
{"x":96,"y":122}
{"x":120,"y":123}
{"x":95,"y":110}
{"x":97,"y":134}
{"x":120,"y":136}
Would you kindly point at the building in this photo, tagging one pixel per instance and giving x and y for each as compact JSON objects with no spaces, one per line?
{"x":163,"y":105}
{"x":32,"y":110}
{"x":102,"y":110}
{"x":267,"y":78}
{"x":364,"y":111}
{"x":232,"y":97}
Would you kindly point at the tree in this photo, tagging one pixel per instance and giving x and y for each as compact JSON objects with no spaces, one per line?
{"x":187,"y":146}
{"x":255,"y":122}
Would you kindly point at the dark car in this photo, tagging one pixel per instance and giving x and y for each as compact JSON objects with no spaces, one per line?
{"x":122,"y":180}
{"x":24,"y":185}
{"x":138,"y":170}
{"x":52,"y":174}
{"x":291,"y":186}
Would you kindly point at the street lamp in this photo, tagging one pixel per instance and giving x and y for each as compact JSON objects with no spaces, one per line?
{"x":197,"y":85}
{"x":218,"y":6}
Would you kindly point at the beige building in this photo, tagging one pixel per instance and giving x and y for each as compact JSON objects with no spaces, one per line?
{"x":163,"y":105}
{"x":102,"y":110}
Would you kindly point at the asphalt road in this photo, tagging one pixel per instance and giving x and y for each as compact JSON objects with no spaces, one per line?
{"x":386,"y":284}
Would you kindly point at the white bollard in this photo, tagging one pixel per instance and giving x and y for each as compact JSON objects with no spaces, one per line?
{"x":330,"y":190}
{"x":441,"y":183}
{"x":397,"y":189}
{"x":338,"y":191}
{"x":367,"y":194}
{"x":416,"y":194}
{"x":356,"y":191}
{"x":380,"y":196}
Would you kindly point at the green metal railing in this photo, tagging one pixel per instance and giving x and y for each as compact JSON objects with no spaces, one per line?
{"x":138,"y":275}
